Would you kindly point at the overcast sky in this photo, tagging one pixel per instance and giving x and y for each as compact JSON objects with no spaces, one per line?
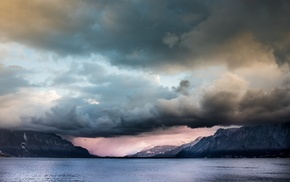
{"x":130,"y":73}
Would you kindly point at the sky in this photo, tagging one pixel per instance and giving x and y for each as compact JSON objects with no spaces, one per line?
{"x":120,"y":76}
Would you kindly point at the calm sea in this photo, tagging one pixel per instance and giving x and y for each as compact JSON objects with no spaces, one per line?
{"x":115,"y":170}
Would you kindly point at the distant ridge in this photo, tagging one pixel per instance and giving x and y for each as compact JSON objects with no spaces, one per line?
{"x":37,"y":144}
{"x":272,"y":140}
{"x":155,"y":151}
{"x":166,"y":151}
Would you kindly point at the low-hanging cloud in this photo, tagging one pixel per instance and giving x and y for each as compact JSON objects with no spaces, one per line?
{"x":102,"y":103}
{"x":228,"y":101}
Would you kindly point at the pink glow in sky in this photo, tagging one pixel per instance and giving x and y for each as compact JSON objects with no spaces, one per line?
{"x":126,"y":145}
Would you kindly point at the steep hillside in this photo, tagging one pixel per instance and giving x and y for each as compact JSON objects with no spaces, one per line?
{"x":37,"y":144}
{"x":258,"y":141}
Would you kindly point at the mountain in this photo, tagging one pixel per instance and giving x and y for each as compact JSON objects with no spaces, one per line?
{"x":163,"y":151}
{"x":37,"y":144}
{"x":256,"y":141}
{"x":157,"y":151}
{"x":173,"y":152}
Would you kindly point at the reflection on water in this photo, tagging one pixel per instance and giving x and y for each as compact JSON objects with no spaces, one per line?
{"x":47,"y":169}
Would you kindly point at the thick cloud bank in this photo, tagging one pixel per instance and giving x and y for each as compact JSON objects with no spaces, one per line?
{"x":227,"y":101}
{"x":110,"y":68}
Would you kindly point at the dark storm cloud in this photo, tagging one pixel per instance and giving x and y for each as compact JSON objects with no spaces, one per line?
{"x":149,"y":33}
{"x":219,"y":109}
{"x":266,"y":106}
{"x":227,"y":102}
{"x":11,"y":79}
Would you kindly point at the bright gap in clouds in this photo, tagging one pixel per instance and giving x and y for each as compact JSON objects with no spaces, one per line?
{"x":171,"y":80}
{"x":43,"y":66}
{"x":128,"y":145}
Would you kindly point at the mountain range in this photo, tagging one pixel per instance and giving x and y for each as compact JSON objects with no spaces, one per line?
{"x":269,"y":140}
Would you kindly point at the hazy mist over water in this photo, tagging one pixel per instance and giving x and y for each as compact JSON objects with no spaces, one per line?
{"x":111,"y":170}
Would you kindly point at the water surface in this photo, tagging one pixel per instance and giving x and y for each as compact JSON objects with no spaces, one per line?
{"x":111,"y":170}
